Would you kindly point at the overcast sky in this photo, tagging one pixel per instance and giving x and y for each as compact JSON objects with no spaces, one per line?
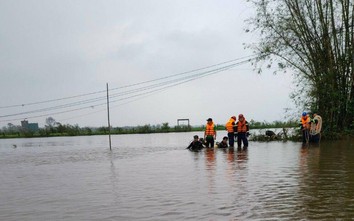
{"x":53,"y":49}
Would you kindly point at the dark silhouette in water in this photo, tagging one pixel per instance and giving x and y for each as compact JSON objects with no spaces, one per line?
{"x":196,"y":144}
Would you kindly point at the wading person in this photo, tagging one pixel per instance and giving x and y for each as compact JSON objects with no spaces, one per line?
{"x":210,"y":133}
{"x":230,"y":130}
{"x":242,"y":132}
{"x":305,"y":127}
{"x":315,"y":128}
{"x":223,"y":143}
{"x":195,"y":145}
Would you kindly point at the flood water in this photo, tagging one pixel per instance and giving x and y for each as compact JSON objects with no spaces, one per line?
{"x":153,"y":177}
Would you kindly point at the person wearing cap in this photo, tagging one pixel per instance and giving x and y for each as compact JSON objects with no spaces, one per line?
{"x":242,"y":129}
{"x":196,"y":144}
{"x":305,"y":127}
{"x":230,"y":130}
{"x":210,"y":133}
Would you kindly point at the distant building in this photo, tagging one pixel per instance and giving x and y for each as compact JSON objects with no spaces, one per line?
{"x":32,"y":127}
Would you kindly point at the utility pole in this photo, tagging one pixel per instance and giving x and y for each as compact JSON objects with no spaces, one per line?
{"x":109,"y":123}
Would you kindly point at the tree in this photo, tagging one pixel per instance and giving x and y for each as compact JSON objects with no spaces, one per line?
{"x":50,"y":122}
{"x":315,"y":39}
{"x":165,"y":127}
{"x":11,"y":128}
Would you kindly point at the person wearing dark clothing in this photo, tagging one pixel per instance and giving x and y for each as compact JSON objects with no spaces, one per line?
{"x":195,"y":145}
{"x":223,"y":143}
{"x":242,"y":129}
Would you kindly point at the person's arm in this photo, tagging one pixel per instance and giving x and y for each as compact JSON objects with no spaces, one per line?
{"x":190,"y":145}
{"x":301,"y":125}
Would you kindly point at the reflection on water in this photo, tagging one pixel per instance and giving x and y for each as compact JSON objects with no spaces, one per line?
{"x":326,"y":180}
{"x":153,"y":177}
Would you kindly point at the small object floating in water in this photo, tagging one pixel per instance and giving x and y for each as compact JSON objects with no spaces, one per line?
{"x":14,"y":145}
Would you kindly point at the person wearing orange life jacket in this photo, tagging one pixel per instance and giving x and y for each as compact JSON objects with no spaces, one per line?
{"x":242,"y":129}
{"x":210,"y":133}
{"x":230,"y":130}
{"x":305,"y":127}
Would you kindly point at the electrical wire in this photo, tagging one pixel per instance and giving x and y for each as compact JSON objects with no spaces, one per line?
{"x":165,"y":85}
{"x":122,"y":87}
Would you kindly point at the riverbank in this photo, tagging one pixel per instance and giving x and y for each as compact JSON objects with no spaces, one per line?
{"x":294,"y":134}
{"x":283,"y":131}
{"x":58,"y":129}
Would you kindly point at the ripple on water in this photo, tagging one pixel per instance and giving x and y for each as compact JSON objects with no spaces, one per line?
{"x":152,"y":177}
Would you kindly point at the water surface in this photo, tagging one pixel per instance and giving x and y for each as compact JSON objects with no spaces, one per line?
{"x":153,"y":177}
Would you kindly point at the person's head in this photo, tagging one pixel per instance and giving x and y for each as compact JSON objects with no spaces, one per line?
{"x":241,"y":117}
{"x":233,"y":117}
{"x":224,"y":139}
{"x":209,"y":120}
{"x":304,"y":114}
{"x":196,"y":137}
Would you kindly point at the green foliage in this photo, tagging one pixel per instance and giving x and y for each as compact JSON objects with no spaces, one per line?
{"x":314,"y":39}
{"x":275,"y":124}
{"x":165,"y":127}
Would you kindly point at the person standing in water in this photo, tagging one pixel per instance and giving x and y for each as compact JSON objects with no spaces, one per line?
{"x":315,"y":128}
{"x":305,"y":127}
{"x":242,"y":128}
{"x":230,"y":130}
{"x":210,"y":133}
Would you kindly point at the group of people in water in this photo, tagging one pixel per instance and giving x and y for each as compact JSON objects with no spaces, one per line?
{"x":310,"y":128}
{"x":235,"y":129}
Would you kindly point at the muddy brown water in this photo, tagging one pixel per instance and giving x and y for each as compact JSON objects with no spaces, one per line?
{"x":153,"y":177}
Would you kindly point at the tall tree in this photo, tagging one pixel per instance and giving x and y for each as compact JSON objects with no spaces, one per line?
{"x":314,"y":38}
{"x":50,"y":121}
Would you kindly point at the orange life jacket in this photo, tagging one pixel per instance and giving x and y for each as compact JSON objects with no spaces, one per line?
{"x":242,"y":126}
{"x":209,"y":129}
{"x":230,"y":126}
{"x":305,"y":121}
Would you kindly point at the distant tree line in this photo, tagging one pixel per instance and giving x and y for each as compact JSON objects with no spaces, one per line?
{"x":54,"y":128}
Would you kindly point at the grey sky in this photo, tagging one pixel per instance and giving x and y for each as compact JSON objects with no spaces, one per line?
{"x":53,"y":49}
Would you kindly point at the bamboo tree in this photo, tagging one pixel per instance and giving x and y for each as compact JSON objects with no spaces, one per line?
{"x":314,"y":39}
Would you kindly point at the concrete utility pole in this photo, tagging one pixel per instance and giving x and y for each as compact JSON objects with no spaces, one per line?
{"x":109,"y":123}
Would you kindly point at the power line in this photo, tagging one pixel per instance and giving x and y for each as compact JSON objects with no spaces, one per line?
{"x":122,"y":87}
{"x":52,"y":100}
{"x":183,"y":73}
{"x":166,"y":86}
